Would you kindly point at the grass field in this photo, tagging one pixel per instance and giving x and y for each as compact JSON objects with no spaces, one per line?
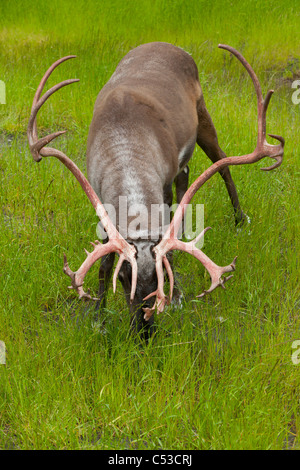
{"x":219,"y":372}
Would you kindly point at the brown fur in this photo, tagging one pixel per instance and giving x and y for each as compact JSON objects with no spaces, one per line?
{"x":149,"y":113}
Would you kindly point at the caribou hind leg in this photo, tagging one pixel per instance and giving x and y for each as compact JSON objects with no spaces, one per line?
{"x":207,"y":139}
{"x":182,"y":183}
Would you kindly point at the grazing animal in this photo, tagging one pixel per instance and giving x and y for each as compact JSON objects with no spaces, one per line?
{"x":146,"y":122}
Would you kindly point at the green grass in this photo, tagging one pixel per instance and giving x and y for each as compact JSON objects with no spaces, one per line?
{"x":218,"y":374}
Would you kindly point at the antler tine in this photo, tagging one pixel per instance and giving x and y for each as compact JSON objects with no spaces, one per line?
{"x":133,"y":276}
{"x":100,"y":250}
{"x":277,"y":157}
{"x":47,"y":75}
{"x":38,"y":150}
{"x":247,"y":66}
{"x":262,"y":104}
{"x":263,"y":149}
{"x":160,"y":298}
{"x":38,"y":104}
{"x":32,"y":125}
{"x":116,"y":242}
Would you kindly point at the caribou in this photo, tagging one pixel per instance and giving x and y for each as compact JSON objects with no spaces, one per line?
{"x":147,"y":120}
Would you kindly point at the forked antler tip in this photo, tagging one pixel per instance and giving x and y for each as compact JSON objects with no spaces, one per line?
{"x":70,"y":273}
{"x":278,"y":137}
{"x":233,"y":263}
{"x":65,"y":260}
{"x":217,"y":279}
{"x":63,"y":59}
{"x":279,"y":157}
{"x":160,"y":301}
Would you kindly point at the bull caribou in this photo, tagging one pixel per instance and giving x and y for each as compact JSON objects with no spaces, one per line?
{"x":146,"y":122}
